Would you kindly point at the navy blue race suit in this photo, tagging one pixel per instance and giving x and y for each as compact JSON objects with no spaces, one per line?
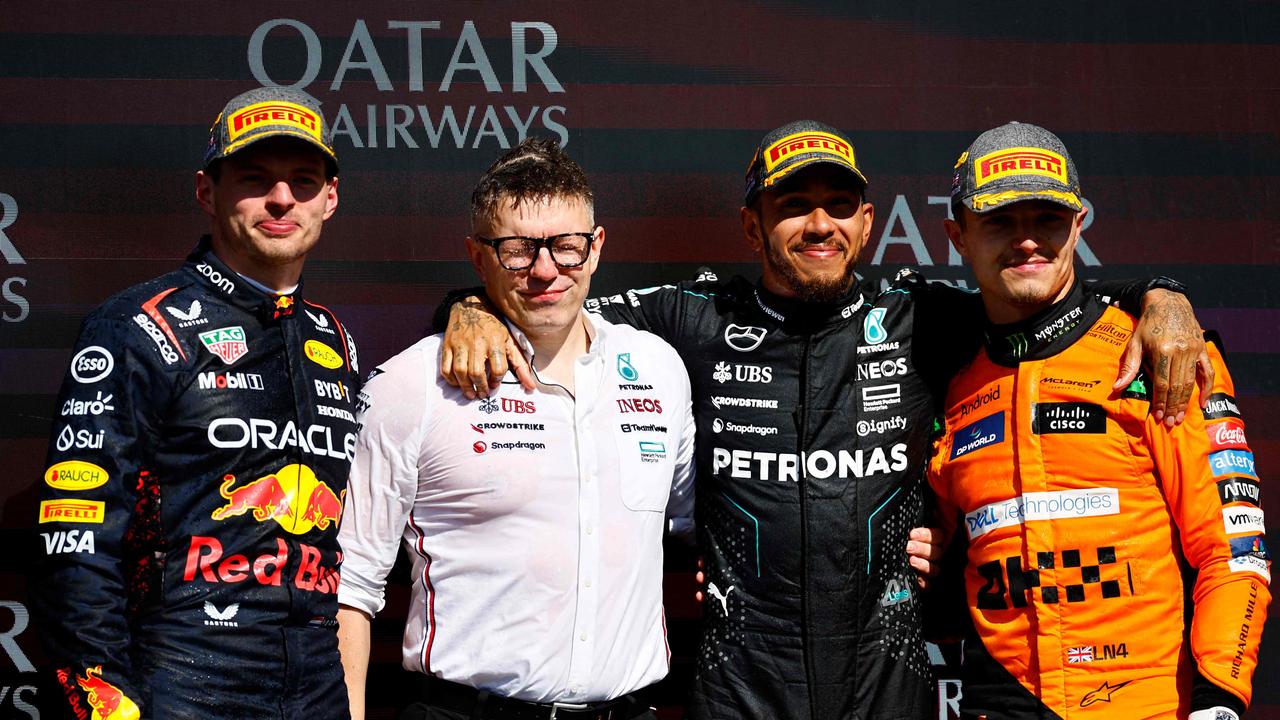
{"x":189,"y":510}
{"x":814,"y":426}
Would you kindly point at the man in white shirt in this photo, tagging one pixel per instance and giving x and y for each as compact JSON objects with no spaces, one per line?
{"x":534,"y":520}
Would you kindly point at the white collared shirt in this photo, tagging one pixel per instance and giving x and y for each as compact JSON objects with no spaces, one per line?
{"x":534,"y":520}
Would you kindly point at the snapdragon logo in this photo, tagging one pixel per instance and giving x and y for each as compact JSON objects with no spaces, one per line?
{"x":1033,"y":506}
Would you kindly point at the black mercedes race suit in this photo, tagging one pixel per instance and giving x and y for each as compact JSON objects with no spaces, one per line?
{"x":814,"y":426}
{"x":188,"y":514}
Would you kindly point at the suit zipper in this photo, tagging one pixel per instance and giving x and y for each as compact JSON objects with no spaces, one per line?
{"x":802,"y":427}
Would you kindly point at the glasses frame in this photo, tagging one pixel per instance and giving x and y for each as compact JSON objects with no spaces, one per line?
{"x":539,"y":244}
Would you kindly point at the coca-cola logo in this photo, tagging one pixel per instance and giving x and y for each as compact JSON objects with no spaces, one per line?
{"x":1227,"y":435}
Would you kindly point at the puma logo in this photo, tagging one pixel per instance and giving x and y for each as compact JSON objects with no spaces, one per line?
{"x":722,"y":597}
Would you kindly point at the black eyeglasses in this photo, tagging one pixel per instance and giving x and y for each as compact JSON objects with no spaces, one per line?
{"x":518,"y":252}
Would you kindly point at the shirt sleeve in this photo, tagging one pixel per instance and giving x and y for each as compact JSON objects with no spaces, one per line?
{"x":680,"y":504}
{"x":1209,"y":479}
{"x":383,"y":483}
{"x":91,"y":515}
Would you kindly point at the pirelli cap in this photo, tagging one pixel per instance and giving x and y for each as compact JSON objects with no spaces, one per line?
{"x":269,"y":112}
{"x":1015,"y":162}
{"x":795,"y":145}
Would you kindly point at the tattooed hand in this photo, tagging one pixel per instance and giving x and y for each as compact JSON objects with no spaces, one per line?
{"x":476,"y":338}
{"x":1169,"y":338}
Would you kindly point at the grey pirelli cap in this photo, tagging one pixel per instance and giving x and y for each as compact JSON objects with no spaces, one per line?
{"x":1015,"y":162}
{"x":798,"y":144}
{"x":269,"y":112}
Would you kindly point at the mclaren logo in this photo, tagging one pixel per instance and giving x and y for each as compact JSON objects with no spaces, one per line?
{"x":744,"y":338}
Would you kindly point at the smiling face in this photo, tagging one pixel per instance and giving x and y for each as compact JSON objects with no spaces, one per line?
{"x":808,"y":232}
{"x":542,"y":299}
{"x":1021,"y":254}
{"x":267,"y":206}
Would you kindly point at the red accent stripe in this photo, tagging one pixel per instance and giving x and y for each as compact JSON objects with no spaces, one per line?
{"x":342,"y":334}
{"x":430,"y":604}
{"x":151,"y":310}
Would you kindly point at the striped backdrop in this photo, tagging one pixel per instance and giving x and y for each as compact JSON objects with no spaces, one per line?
{"x":1171,"y":110}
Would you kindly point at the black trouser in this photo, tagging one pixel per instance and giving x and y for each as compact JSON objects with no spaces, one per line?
{"x":444,"y":700}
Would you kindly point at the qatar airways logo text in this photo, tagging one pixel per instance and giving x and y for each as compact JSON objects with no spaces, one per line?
{"x":258,"y":432}
{"x":820,"y":464}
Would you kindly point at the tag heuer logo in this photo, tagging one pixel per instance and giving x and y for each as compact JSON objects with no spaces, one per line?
{"x":227,"y":343}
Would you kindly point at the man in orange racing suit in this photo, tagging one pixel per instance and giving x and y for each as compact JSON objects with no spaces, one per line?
{"x":1096,"y":535}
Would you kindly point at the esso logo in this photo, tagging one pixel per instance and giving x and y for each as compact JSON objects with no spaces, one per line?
{"x":92,"y":364}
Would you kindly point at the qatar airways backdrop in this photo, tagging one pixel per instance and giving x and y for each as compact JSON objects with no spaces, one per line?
{"x":1171,"y":110}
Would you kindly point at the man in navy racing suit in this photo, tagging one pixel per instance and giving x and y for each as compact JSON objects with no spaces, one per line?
{"x":814,"y":396}
{"x":199,"y":459}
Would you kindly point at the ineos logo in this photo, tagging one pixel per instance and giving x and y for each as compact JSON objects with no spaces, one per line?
{"x":744,"y":338}
{"x":92,"y":364}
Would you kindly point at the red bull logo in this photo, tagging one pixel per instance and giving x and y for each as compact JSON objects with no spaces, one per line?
{"x":209,"y":560}
{"x":293,"y":497}
{"x":107,"y":701}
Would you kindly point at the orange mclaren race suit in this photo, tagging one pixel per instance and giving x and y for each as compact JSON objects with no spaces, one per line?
{"x":1115,"y":567}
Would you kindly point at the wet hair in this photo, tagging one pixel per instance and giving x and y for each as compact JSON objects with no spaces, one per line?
{"x":534,"y":171}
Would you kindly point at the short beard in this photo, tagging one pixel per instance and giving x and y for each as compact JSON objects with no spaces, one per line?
{"x":818,"y":290}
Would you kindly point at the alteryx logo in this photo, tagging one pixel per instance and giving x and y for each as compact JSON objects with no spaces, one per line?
{"x":987,"y":431}
{"x":873,"y":331}
{"x":1232,"y":462}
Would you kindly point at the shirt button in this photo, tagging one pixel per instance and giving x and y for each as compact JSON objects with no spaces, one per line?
{"x":588,"y":583}
{"x":590,"y":530}
{"x":583,"y":637}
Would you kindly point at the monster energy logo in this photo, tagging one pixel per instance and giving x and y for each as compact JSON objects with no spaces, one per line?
{"x":1017,"y":344}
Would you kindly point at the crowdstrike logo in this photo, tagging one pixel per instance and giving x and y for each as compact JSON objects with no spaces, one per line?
{"x":720,"y":401}
{"x":1034,"y":506}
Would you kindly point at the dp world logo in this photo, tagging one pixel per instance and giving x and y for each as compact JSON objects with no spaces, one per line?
{"x":744,"y":338}
{"x":625,"y":368}
{"x":873,"y":327}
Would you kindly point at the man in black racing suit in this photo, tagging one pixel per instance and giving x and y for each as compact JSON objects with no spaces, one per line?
{"x":814,"y":397}
{"x":199,"y":458}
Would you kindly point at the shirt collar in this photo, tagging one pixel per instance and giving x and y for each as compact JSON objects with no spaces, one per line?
{"x":1046,"y":333}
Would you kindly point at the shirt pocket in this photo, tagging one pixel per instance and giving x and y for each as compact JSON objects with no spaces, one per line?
{"x":646,"y":462}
